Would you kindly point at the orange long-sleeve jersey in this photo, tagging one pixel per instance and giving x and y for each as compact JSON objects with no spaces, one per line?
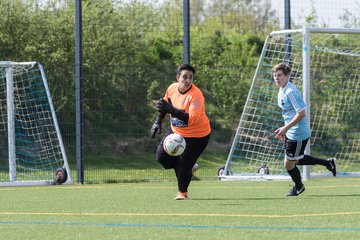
{"x":193,"y":103}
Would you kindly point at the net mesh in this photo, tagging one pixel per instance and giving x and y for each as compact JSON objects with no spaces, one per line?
{"x":37,"y":147}
{"x":334,"y":113}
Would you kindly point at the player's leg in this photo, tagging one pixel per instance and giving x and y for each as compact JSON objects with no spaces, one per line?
{"x":183,"y":169}
{"x":162,"y":157}
{"x":295,"y":175}
{"x":294,"y":150}
{"x":330,"y":163}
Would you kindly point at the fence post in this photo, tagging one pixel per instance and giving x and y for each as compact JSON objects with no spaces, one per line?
{"x":186,"y":23}
{"x":78,"y":92}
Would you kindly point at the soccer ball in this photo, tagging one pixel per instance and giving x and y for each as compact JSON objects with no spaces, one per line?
{"x":263,"y":170}
{"x":174,"y":144}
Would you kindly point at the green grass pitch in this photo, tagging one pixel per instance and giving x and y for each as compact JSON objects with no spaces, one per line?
{"x":328,"y":209}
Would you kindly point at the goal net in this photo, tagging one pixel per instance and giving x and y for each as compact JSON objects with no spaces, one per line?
{"x":31,"y":148}
{"x":326,"y":68}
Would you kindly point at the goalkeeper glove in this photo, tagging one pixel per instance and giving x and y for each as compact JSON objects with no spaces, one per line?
{"x":157,"y":125}
{"x":164,"y":106}
{"x":167,"y":107}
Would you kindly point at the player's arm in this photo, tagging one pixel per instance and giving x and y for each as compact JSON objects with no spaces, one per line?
{"x":164,"y":107}
{"x":157,"y":125}
{"x":281,"y":132}
{"x":299,"y":105}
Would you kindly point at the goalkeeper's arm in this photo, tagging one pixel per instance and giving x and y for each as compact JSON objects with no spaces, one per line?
{"x":167,"y":107}
{"x":183,"y":116}
{"x":157,"y":125}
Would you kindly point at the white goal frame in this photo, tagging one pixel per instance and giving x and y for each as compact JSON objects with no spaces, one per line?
{"x":12,"y":154}
{"x":225,"y":173}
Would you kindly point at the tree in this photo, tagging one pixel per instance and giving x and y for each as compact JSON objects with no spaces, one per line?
{"x":350,"y":18}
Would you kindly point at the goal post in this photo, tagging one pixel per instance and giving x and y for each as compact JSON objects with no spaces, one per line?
{"x":325,"y":66}
{"x":31,"y":148}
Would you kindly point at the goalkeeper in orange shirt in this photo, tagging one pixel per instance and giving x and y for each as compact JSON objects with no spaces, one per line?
{"x":185,"y":103}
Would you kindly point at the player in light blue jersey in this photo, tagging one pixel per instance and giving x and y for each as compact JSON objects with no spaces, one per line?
{"x":296,"y":130}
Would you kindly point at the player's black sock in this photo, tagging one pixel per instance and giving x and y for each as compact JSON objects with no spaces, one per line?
{"x":310,"y":160}
{"x":296,"y":177}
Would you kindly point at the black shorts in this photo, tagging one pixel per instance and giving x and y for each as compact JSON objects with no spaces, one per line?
{"x":294,"y":150}
{"x":194,"y":148}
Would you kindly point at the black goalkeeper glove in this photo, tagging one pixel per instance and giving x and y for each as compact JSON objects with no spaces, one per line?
{"x":157,"y":125}
{"x":164,"y":106}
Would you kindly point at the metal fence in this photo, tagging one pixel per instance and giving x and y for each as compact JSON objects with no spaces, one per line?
{"x":117,"y":146}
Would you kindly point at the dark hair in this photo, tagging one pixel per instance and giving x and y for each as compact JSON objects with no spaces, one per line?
{"x":283,"y":67}
{"x":185,"y":67}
